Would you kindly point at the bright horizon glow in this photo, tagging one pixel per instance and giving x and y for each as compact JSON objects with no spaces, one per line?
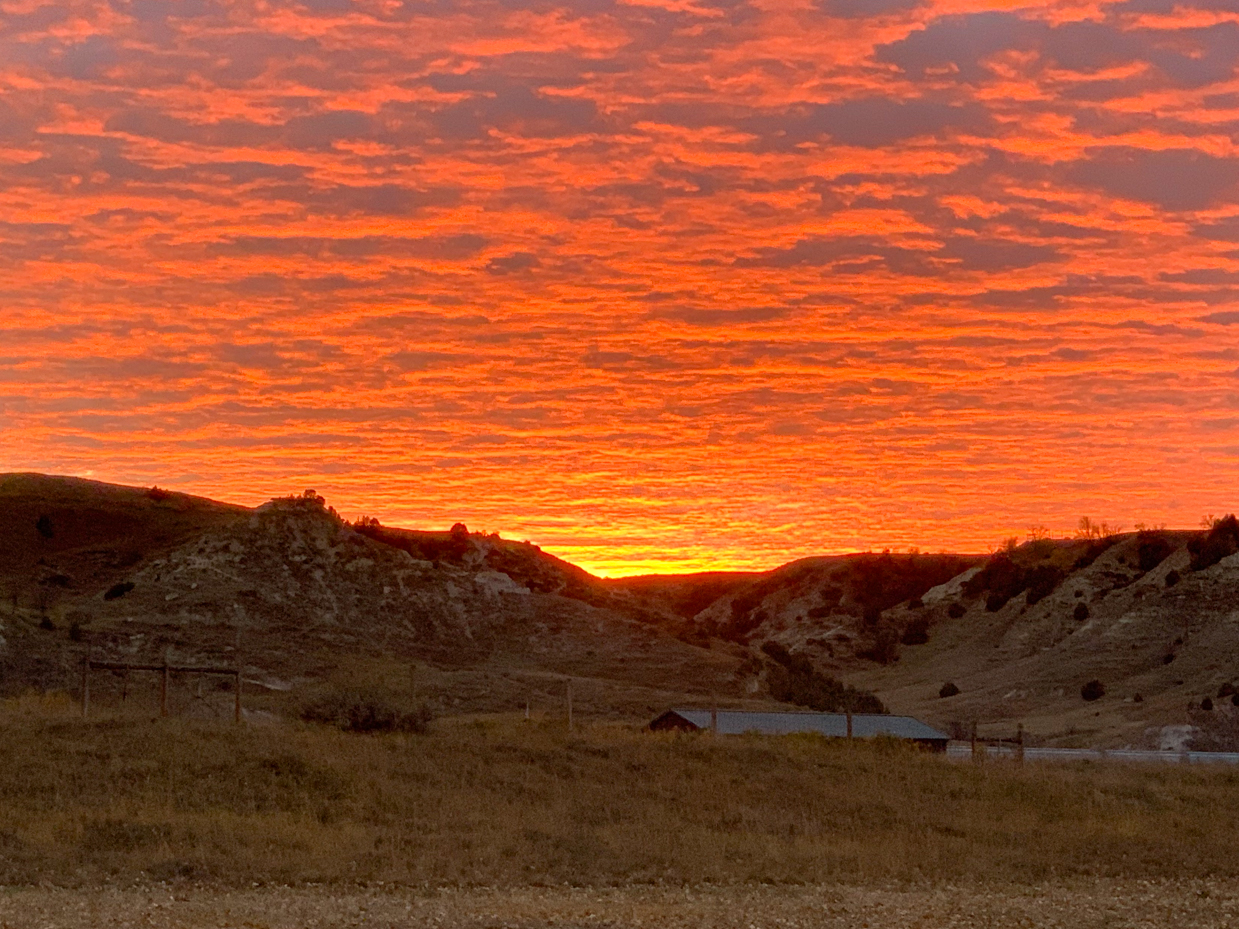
{"x":656,"y":285}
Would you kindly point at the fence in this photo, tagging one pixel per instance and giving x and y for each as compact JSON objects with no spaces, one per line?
{"x":166,"y":670}
{"x":1014,"y":752}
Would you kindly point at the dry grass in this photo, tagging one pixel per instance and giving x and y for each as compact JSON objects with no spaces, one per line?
{"x":501,"y":802}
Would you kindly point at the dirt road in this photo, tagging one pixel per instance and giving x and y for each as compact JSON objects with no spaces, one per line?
{"x":1078,"y":905}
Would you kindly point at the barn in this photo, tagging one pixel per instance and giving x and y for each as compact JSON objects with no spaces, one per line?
{"x":831,"y":725}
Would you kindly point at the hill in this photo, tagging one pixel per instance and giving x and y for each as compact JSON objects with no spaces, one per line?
{"x":135,"y":575}
{"x":476,"y":623}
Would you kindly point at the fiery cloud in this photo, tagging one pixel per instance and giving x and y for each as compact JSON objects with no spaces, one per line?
{"x":658,"y":284}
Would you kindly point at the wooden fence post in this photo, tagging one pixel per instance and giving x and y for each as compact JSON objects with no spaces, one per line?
{"x":237,"y":685}
{"x":86,"y":686}
{"x":569,"y":705}
{"x":1019,"y":744}
{"x":163,"y":688}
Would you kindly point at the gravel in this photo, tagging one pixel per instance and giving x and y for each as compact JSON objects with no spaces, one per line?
{"x":1075,"y":905}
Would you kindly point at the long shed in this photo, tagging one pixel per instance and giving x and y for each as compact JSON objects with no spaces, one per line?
{"x":831,"y":725}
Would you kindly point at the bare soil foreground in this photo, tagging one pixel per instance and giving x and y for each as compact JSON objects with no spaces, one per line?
{"x":1101,"y":903}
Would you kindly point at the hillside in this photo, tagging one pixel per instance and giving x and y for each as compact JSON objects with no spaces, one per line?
{"x":1154,"y":621}
{"x":134,"y":575}
{"x":476,"y":623}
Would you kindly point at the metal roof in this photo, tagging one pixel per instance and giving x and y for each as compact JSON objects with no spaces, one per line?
{"x":864,"y":726}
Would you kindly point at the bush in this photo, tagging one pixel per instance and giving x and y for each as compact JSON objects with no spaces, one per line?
{"x":44,"y":526}
{"x":365,"y":711}
{"x":1172,"y":577}
{"x":1042,"y":581}
{"x":1168,"y":657}
{"x":1080,"y":613}
{"x":116,"y":591}
{"x":1219,"y":542}
{"x":948,"y":690}
{"x":1207,"y":704}
{"x":956,"y":610}
{"x":793,"y":679}
{"x":1093,"y":690}
{"x":1226,"y":690}
{"x":917,"y":632}
{"x":1152,"y":550}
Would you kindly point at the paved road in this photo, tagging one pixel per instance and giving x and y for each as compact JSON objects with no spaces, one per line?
{"x":964,"y":750}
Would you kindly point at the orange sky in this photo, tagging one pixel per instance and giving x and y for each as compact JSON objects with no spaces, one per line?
{"x":658,"y":284}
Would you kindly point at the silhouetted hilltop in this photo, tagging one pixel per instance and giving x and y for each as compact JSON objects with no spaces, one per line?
{"x":1149,"y":618}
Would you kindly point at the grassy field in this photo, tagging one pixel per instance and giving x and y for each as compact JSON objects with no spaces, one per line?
{"x":507,"y":803}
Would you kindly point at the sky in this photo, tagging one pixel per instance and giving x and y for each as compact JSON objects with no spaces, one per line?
{"x":660,"y":285}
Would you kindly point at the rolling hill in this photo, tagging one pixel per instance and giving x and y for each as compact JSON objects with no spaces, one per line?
{"x":299,"y":597}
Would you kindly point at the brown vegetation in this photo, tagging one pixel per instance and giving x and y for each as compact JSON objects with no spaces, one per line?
{"x":509,"y":803}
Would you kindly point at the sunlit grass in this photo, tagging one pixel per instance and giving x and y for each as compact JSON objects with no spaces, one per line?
{"x":506,"y":802}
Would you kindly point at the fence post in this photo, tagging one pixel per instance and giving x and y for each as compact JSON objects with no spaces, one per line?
{"x":975,"y":757}
{"x":163,"y":687}
{"x":1019,"y":744}
{"x":86,"y":685}
{"x":237,"y":685}
{"x":569,"y":705}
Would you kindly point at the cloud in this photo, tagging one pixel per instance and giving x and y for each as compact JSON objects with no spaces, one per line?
{"x":1173,"y":179}
{"x":698,"y":259}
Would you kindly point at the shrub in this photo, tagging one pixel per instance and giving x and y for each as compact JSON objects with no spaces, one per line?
{"x":1152,"y":549}
{"x":917,"y":632}
{"x":44,"y":526}
{"x":794,"y":680}
{"x":1226,"y":689}
{"x":1234,"y":700}
{"x":1042,"y":581}
{"x":1207,"y":704}
{"x":956,"y":610}
{"x":1093,"y":690}
{"x":1138,"y":698}
{"x":948,"y":690}
{"x":1168,"y":657}
{"x":1211,"y":547}
{"x":158,"y":494}
{"x":116,"y":591}
{"x":995,"y":602}
{"x":365,"y":711}
{"x":1080,"y":613}
{"x":884,"y":646}
{"x":46,"y":624}
{"x":1172,"y":577}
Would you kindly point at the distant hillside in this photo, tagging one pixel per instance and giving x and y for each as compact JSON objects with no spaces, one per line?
{"x":1152,"y":616}
{"x":135,"y":574}
{"x":490,"y":624}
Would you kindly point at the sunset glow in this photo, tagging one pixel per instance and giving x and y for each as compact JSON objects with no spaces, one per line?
{"x":657,"y":284}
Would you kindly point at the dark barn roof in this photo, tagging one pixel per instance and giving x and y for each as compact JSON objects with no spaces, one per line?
{"x":832,"y":725}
